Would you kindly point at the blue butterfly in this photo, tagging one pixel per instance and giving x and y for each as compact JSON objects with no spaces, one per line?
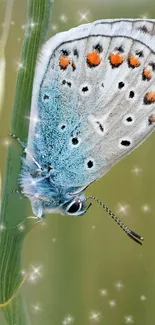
{"x":93,"y":103}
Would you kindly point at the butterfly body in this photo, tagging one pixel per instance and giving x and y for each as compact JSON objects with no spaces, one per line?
{"x":93,"y":95}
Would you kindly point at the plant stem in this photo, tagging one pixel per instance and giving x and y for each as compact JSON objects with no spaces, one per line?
{"x":3,"y":41}
{"x":14,"y":208}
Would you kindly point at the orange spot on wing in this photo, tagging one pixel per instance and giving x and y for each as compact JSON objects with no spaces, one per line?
{"x":149,"y":98}
{"x":93,"y":59}
{"x":116,"y":59}
{"x":147,"y":74}
{"x":64,"y":61}
{"x":133,"y":61}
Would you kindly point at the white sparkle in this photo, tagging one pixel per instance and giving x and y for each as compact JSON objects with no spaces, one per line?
{"x":93,"y":227}
{"x":54,"y":28}
{"x":35,"y":274}
{"x":146,"y":208}
{"x":21,"y":227}
{"x":69,"y":319}
{"x":32,"y":278}
{"x":23,"y":27}
{"x":33,"y":182}
{"x":144,"y":16}
{"x":12,"y":22}
{"x":53,"y":240}
{"x":143,"y":298}
{"x":20,"y":65}
{"x":136,"y":170}
{"x":32,"y":24}
{"x":2,"y":227}
{"x":83,"y":16}
{"x":95,"y":316}
{"x":36,"y":308}
{"x":36,"y":270}
{"x":6,"y":142}
{"x":18,"y":39}
{"x":63,"y":18}
{"x":128,"y":319}
{"x":34,"y":119}
{"x":112,"y":303}
{"x":23,"y":272}
{"x":119,"y":285}
{"x":122,"y":209}
{"x":103,"y":292}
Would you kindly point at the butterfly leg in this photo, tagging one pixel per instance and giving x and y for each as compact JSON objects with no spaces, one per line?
{"x":36,"y":218}
{"x":39,"y":215}
{"x":17,"y":139}
{"x":17,"y":191}
{"x":31,"y":217}
{"x":39,"y":218}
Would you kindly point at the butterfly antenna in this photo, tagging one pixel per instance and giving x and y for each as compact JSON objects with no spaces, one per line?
{"x":132,"y":234}
{"x":25,"y":149}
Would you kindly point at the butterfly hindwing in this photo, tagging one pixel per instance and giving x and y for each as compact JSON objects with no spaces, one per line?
{"x":94,"y":92}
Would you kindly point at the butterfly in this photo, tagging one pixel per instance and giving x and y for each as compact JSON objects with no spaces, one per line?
{"x":93,"y":103}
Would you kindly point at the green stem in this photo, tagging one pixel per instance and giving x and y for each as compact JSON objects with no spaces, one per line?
{"x":14,"y":208}
{"x":3,"y":41}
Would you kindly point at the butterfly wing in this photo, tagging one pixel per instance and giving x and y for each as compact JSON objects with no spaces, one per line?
{"x":93,"y":98}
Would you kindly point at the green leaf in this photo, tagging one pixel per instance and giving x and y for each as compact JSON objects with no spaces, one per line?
{"x":14,"y":207}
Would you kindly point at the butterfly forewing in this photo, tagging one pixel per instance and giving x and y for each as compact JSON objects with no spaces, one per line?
{"x":94,"y":98}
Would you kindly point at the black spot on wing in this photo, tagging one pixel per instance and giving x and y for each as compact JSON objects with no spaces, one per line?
{"x":120,"y":49}
{"x":65,"y":52}
{"x":45,"y":97}
{"x":75,"y":141}
{"x":131,"y":94}
{"x":100,"y":126}
{"x":98,"y":47}
{"x":90,"y":164}
{"x":67,"y":83}
{"x":125,"y":143}
{"x":143,"y":29}
{"x":76,"y":53}
{"x":85,"y":89}
{"x":140,"y":54}
{"x":129,"y":119}
{"x":121,"y":84}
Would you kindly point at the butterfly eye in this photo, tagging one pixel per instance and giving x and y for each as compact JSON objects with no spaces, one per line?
{"x":75,"y":207}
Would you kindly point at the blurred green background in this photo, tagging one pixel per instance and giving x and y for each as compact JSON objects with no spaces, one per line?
{"x":87,"y":270}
